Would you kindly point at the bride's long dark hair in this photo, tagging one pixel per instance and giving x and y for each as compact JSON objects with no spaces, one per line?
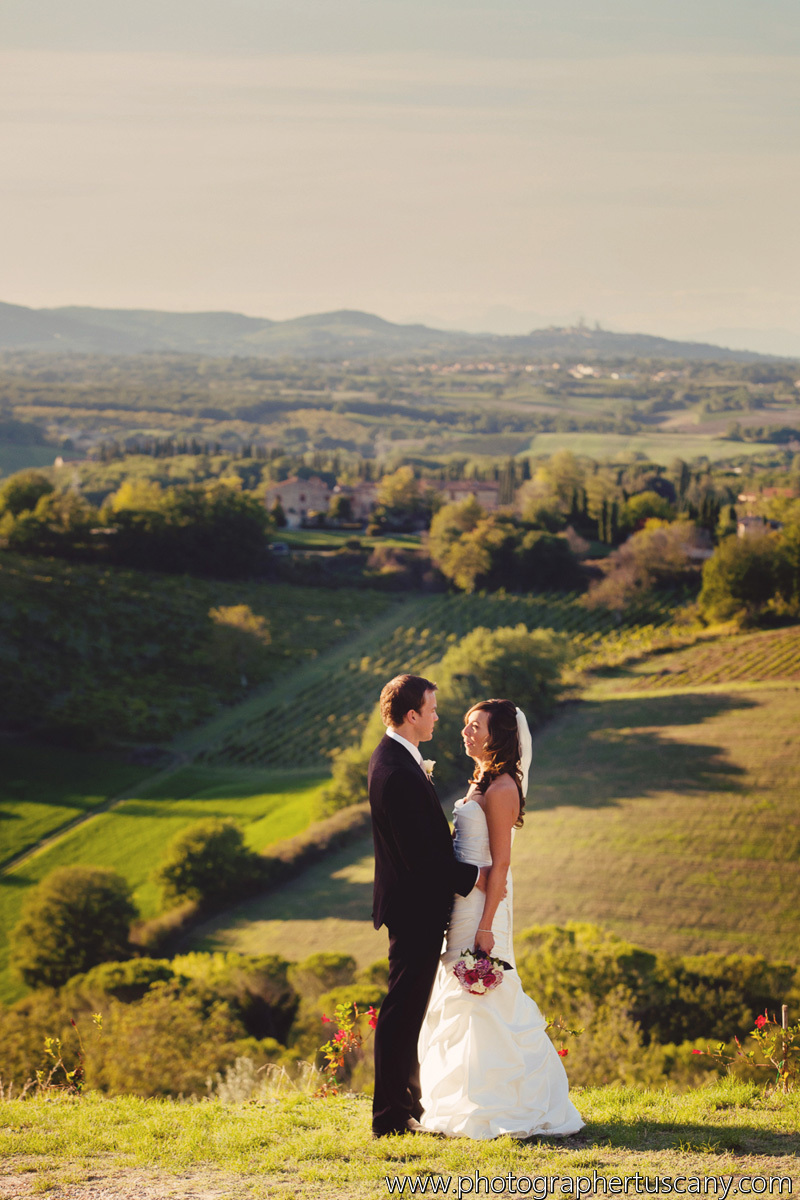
{"x":502,"y":749}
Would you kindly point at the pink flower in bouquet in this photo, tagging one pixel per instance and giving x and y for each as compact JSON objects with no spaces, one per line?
{"x":472,"y":976}
{"x":490,"y":980}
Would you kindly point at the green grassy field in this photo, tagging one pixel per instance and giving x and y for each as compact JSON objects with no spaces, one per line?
{"x":34,"y":800}
{"x":16,"y":456}
{"x":334,"y":539}
{"x":655,"y":447}
{"x":298,"y":1147}
{"x":668,"y":817}
{"x":130,"y":838}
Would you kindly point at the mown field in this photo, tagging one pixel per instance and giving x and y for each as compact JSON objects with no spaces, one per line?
{"x":131,"y":837}
{"x":655,"y":447}
{"x":669,"y":816}
{"x":16,"y":456}
{"x":45,"y":788}
{"x":295,"y":1146}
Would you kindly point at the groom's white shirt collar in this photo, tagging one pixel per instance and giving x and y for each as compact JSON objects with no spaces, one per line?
{"x":410,"y":747}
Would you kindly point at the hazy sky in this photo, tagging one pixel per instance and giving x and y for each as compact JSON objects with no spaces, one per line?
{"x":497,"y":165}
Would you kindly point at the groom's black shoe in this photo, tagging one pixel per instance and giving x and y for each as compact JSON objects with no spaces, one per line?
{"x":410,"y":1126}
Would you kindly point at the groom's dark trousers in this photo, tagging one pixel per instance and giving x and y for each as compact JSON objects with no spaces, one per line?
{"x":416,"y":877}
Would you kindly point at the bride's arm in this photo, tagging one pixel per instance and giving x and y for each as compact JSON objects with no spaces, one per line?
{"x":501,"y":805}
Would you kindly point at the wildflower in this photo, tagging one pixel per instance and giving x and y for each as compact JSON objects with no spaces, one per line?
{"x":326,"y":1020}
{"x":372,"y":1017}
{"x":697,"y":1052}
{"x":761,"y":1020}
{"x":563,"y":1052}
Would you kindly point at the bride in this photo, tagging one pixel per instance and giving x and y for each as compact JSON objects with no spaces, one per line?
{"x":487,"y":1066}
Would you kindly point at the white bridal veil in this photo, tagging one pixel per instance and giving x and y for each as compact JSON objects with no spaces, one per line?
{"x":525,"y":748}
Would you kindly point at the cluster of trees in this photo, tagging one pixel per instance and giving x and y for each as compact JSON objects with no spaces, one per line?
{"x":752,"y":577}
{"x":212,"y":530}
{"x":476,"y":549}
{"x":609,"y":503}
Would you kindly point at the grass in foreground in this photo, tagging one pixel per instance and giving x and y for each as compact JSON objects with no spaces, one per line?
{"x":131,"y":838}
{"x":301,"y":1147}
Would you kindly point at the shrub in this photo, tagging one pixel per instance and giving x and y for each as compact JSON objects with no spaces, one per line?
{"x":23,"y":1029}
{"x":166,"y":1044}
{"x":741,"y":577}
{"x":321,"y":972}
{"x":22,"y":492}
{"x":126,"y":981}
{"x":257,"y":988}
{"x":208,"y":862}
{"x":74,"y":919}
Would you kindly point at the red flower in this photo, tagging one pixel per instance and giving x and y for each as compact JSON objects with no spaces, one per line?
{"x":761,"y":1020}
{"x":697,"y":1052}
{"x":340,"y":1036}
{"x":372,"y":1016}
{"x":563,"y":1052}
{"x":326,"y":1020}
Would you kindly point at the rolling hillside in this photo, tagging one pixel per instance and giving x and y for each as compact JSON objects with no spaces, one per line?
{"x":326,"y":336}
{"x":664,"y":803}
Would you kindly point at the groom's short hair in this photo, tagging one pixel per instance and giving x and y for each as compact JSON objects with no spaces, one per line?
{"x":401,"y":695}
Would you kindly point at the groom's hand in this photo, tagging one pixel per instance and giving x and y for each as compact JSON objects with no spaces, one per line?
{"x":480,"y":882}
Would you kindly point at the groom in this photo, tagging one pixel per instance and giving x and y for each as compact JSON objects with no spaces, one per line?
{"x":416,"y":876}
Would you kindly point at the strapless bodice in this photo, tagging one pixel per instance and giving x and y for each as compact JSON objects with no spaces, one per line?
{"x":471,"y":836}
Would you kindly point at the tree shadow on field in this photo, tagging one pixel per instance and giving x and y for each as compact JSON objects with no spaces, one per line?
{"x":612,"y":750}
{"x":16,"y":880}
{"x":322,"y":890}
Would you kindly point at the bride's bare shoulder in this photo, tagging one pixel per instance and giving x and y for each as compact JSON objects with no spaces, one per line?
{"x":502,"y":793}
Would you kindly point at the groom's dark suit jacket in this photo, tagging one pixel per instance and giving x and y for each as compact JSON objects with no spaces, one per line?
{"x":416,"y":871}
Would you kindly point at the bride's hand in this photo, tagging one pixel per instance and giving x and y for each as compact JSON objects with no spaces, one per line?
{"x":484,"y":941}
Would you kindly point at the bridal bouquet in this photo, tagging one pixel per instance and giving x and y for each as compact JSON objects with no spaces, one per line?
{"x":478,"y":972}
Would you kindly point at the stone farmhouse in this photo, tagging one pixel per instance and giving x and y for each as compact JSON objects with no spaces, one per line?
{"x":486,"y":492}
{"x":363,"y":498}
{"x":298,"y":498}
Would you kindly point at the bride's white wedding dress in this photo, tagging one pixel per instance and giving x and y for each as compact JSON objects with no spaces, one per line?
{"x":487,"y":1066}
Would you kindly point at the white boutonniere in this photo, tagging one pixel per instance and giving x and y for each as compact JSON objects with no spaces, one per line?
{"x":427,"y":765}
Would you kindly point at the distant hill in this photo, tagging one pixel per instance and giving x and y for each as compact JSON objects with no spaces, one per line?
{"x":323,"y":336}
